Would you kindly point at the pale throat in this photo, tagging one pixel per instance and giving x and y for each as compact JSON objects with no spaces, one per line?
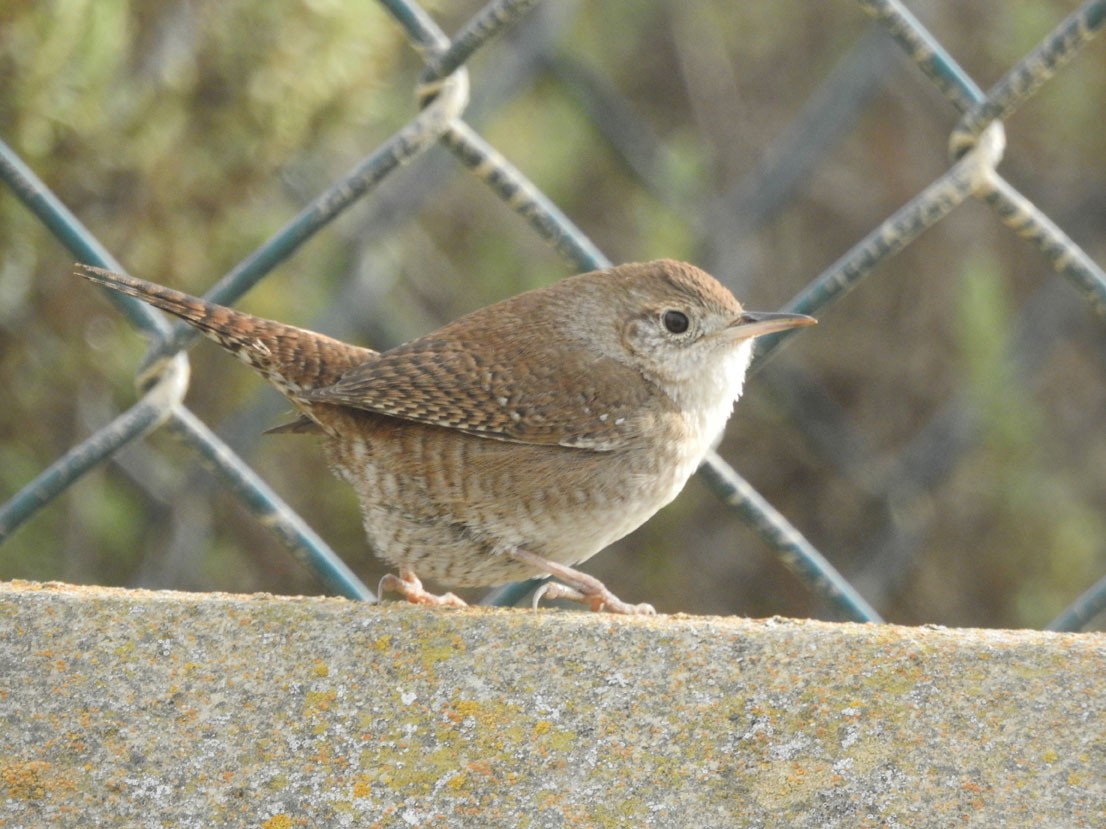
{"x":708,"y":401}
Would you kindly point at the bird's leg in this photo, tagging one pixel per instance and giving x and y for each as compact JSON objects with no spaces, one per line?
{"x":407,"y":584}
{"x":577,"y":587}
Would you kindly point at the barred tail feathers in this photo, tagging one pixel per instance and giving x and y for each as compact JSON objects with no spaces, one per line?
{"x":292,"y":359}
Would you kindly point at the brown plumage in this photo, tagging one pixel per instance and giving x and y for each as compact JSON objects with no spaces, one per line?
{"x":523,"y":437}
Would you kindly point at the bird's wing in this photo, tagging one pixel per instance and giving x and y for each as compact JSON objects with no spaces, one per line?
{"x":526,"y":390}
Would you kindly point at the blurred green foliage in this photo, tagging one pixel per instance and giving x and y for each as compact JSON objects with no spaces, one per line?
{"x":185,"y":133}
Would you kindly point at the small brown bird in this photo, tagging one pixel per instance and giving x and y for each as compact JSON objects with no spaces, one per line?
{"x":520,"y":439}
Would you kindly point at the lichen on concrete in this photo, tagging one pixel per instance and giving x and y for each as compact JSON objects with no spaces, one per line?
{"x":155,"y":708}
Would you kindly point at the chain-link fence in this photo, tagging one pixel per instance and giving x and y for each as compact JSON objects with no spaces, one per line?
{"x":524,"y":45}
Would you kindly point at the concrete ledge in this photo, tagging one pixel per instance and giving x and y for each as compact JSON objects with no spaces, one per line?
{"x":141,"y":708}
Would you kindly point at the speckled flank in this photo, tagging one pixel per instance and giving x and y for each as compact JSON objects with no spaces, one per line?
{"x":142,"y":708}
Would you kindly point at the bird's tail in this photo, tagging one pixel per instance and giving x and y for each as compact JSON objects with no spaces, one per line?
{"x":292,"y":359}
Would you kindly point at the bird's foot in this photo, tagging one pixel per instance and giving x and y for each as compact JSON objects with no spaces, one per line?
{"x":596,"y":601}
{"x":578,"y":587}
{"x":407,"y":584}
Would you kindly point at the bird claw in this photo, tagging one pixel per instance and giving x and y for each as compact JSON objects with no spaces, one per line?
{"x":602,"y":600}
{"x":408,"y":585}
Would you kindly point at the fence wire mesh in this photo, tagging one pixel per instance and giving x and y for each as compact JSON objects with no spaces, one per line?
{"x":584,"y":95}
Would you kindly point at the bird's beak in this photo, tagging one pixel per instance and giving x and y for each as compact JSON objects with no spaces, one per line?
{"x":758,"y":323}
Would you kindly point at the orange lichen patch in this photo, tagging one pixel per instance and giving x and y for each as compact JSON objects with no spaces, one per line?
{"x":25,"y":779}
{"x":318,"y":701}
{"x":362,"y":786}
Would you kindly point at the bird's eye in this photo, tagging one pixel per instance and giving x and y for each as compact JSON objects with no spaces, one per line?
{"x":676,"y":321}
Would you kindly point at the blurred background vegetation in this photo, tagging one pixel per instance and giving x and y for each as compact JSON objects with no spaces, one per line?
{"x":940,"y":436}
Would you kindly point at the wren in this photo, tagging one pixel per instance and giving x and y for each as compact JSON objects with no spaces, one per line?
{"x":522,"y":438}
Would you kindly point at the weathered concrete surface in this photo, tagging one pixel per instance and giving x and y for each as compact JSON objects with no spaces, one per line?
{"x":122,"y":708}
